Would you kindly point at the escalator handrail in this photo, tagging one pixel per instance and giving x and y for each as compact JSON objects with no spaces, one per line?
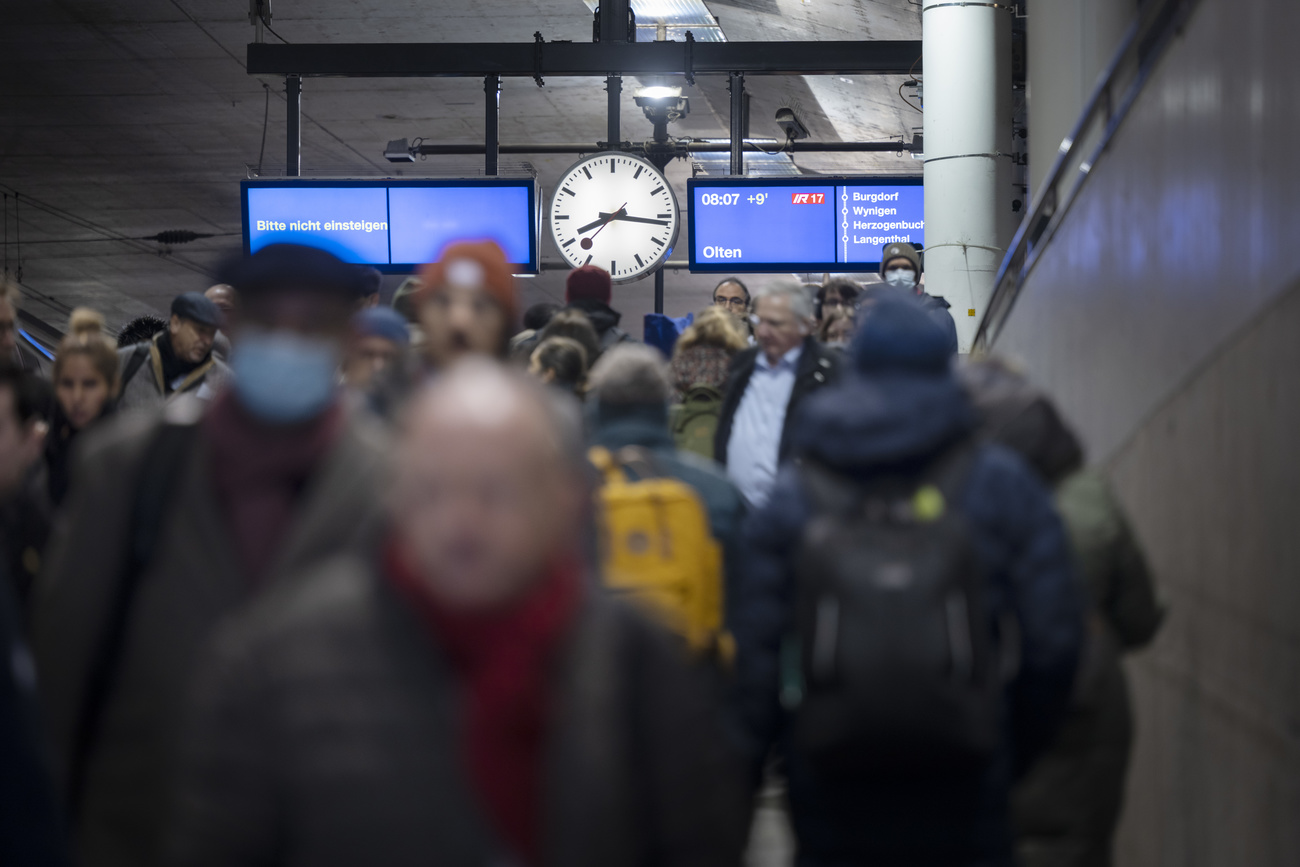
{"x":1142,"y":46}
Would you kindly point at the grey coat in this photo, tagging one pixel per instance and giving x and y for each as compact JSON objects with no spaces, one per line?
{"x":325,"y":732}
{"x":193,"y":581}
{"x":146,"y":389}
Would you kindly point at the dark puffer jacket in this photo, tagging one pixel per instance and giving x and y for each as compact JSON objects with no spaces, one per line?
{"x":940,"y":314}
{"x":605,"y":320}
{"x":858,"y":428}
{"x":325,"y":733}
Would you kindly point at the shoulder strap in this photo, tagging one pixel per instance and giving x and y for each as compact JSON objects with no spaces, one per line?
{"x":827,"y":490}
{"x":161,"y":467}
{"x":134,"y":363}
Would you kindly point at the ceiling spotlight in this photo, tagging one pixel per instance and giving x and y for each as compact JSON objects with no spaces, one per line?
{"x":656,"y":95}
{"x":662,"y":105}
{"x":399,"y":151}
{"x":789,"y":121}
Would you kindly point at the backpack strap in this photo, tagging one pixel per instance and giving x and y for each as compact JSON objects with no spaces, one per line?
{"x":950,"y":469}
{"x":940,"y":481}
{"x":134,"y":362}
{"x":154,"y":485}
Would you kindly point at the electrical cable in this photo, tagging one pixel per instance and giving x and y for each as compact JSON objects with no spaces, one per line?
{"x":266,"y":116}
{"x":240,"y":61}
{"x":907,"y":101}
{"x":83,"y":223}
{"x":267,"y":25}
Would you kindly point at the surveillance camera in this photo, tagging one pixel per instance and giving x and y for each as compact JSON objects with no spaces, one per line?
{"x":399,"y":151}
{"x":794,"y":128}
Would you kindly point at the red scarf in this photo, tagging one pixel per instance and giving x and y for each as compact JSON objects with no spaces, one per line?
{"x":503,"y":659}
{"x":259,"y":471}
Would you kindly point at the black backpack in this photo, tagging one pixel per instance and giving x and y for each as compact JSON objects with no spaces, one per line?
{"x":892,"y":669}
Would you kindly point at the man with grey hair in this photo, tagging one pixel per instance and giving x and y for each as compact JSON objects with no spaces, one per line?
{"x":766,"y":385}
{"x":627,"y":399}
{"x":472,"y":697}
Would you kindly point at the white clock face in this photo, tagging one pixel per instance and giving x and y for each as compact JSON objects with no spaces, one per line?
{"x":616,"y":211}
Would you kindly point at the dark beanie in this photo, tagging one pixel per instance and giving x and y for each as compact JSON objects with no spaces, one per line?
{"x":588,"y":282}
{"x":279,"y":268}
{"x":895,"y":333}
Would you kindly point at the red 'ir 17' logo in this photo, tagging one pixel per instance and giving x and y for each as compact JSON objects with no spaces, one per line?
{"x":807,"y":198}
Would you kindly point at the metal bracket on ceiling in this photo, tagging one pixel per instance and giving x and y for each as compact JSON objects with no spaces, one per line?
{"x":538,"y":42}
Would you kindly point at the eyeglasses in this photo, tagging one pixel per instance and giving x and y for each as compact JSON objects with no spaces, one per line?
{"x":733,"y":303}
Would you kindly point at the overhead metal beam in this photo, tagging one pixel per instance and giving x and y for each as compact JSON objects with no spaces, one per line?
{"x":466,"y":149}
{"x":512,"y":59}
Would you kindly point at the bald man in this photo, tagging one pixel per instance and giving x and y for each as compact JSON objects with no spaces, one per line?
{"x":223,"y":295}
{"x":465,"y":696}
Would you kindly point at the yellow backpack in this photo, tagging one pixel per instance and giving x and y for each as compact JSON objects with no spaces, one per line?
{"x":656,"y":547}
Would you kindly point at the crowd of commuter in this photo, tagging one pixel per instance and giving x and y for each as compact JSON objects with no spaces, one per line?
{"x":295,"y":577}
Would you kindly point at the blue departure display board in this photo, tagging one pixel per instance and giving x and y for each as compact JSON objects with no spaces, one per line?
{"x":748,"y":225}
{"x":395,"y":226}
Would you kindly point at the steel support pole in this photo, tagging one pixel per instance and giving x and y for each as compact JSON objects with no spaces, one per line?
{"x":614,"y":20}
{"x":968,"y":105}
{"x":491,"y":123}
{"x":613,"y":129}
{"x":737,"y":87}
{"x":659,"y":289}
{"x":293,"y":126}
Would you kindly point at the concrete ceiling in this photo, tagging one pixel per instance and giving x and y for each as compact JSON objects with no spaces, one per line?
{"x":119,"y":120}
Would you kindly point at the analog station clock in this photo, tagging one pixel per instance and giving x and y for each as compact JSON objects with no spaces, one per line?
{"x":617,"y":211}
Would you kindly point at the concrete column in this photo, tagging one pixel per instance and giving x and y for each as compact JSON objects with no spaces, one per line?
{"x":966,"y":50}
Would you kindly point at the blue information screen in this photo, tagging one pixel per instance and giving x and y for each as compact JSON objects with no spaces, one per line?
{"x":741,"y":225}
{"x":395,"y":226}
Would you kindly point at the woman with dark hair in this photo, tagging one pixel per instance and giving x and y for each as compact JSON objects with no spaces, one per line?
{"x":85,"y":386}
{"x":836,"y":328}
{"x":837,"y":293}
{"x":561,"y":362}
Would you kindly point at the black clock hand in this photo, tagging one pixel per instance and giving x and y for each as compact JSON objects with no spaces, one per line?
{"x":603,"y":221}
{"x":600,"y":222}
{"x":626,"y":219}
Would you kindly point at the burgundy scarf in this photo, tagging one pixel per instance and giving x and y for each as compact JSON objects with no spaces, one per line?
{"x":259,"y":471}
{"x":502,"y":658}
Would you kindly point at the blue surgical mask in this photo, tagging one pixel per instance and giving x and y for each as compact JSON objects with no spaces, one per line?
{"x":904,"y":278}
{"x":282,"y":377}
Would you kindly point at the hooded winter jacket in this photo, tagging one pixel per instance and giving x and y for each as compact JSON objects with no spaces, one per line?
{"x":605,"y":320}
{"x":892,"y":421}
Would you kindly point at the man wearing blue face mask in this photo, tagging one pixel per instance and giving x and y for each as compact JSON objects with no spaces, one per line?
{"x":180,"y":518}
{"x":900,"y":267}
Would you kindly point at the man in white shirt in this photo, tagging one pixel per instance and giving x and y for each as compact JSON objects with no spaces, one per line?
{"x":766,"y":385}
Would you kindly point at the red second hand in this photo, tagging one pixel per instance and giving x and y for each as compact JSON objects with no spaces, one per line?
{"x":586,"y":242}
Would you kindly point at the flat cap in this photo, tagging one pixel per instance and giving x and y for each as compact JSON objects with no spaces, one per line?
{"x":196,"y":306}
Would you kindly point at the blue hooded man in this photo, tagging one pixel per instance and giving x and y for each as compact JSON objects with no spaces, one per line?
{"x":895,"y":789}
